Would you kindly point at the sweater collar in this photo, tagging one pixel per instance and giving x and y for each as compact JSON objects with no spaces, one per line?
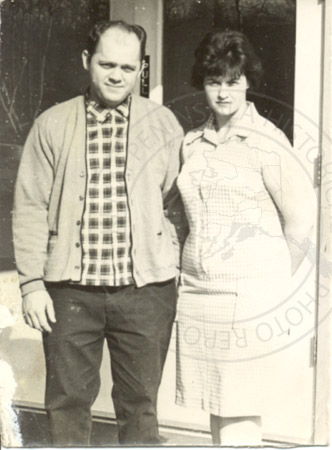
{"x":102,"y":113}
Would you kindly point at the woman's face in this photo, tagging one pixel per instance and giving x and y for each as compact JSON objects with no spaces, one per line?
{"x":225,"y":95}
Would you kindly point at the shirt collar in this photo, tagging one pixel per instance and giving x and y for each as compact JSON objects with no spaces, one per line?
{"x":241,"y":126}
{"x":101,"y":113}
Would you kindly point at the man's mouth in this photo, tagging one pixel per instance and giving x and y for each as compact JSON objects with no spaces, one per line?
{"x":112,"y":86}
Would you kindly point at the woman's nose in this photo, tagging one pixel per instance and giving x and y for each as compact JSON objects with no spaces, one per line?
{"x":222,"y":91}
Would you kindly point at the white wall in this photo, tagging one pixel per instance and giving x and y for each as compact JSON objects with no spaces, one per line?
{"x":148,"y":14}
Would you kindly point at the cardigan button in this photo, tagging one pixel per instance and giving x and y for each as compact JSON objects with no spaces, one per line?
{"x":77,"y":244}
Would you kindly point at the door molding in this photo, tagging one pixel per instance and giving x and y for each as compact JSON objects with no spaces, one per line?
{"x":323,"y":368}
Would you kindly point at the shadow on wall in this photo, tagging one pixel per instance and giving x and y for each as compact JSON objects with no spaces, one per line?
{"x":9,"y":156}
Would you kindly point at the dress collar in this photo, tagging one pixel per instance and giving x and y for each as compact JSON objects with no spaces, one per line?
{"x":242,"y":126}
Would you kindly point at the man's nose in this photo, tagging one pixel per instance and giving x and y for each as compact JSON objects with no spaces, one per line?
{"x":115,"y":75}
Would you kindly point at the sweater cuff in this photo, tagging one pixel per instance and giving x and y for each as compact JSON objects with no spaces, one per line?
{"x":32,"y":286}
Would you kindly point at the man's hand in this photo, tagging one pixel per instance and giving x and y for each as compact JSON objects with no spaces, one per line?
{"x":38,"y":310}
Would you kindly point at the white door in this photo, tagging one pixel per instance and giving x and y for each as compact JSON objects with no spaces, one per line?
{"x":291,"y":397}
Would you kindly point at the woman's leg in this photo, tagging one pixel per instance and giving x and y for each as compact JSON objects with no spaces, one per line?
{"x":236,"y":430}
{"x":215,"y":424}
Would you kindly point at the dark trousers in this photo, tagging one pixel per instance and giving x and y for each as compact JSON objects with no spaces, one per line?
{"x":137,"y":324}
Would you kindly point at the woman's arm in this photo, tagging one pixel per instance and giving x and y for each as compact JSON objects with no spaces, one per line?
{"x":291,"y":188}
{"x":298,"y":231}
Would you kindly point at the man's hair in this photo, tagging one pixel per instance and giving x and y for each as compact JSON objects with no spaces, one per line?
{"x":103,"y":25}
{"x":227,"y":54}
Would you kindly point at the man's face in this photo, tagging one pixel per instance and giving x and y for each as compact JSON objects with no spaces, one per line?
{"x":114,"y":67}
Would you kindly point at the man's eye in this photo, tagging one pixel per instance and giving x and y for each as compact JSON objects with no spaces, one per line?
{"x":232,"y":82}
{"x":128,"y":69}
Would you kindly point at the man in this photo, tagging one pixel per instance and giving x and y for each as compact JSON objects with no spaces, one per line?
{"x":93,"y":243}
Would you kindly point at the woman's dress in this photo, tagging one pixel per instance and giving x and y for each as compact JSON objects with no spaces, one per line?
{"x":235,"y":264}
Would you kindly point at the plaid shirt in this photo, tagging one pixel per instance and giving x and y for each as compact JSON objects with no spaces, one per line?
{"x":105,"y":233}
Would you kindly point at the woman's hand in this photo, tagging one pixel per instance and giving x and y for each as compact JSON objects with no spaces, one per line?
{"x":298,"y":237}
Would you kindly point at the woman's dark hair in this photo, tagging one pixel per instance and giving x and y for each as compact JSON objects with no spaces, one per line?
{"x":103,"y":25}
{"x":227,"y":54}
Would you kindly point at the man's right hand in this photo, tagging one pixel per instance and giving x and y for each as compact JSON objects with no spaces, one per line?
{"x":38,"y":310}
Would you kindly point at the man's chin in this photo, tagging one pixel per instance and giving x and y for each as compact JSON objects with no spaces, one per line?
{"x":115,"y":100}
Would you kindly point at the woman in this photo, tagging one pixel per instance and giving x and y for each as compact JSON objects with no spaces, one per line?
{"x":250,"y":208}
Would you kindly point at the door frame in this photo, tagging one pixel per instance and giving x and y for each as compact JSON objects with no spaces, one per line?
{"x":324,"y":322}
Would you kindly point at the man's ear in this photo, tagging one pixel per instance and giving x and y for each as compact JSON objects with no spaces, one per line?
{"x":86,"y":59}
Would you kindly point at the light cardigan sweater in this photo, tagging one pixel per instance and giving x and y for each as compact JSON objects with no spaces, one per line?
{"x":51,"y":188}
